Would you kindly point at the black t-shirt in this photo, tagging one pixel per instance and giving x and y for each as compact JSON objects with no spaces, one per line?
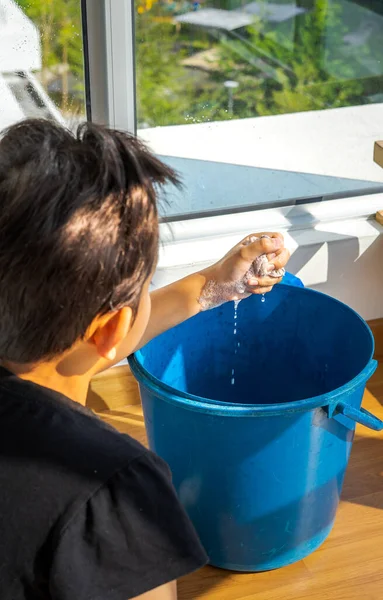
{"x":86,"y":513}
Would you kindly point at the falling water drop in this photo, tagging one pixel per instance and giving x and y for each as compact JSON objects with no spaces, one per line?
{"x":236,"y":303}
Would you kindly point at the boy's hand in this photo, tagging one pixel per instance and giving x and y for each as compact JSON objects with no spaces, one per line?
{"x":232,"y":277}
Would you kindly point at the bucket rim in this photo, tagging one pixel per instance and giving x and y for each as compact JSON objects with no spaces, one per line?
{"x":217,"y":407}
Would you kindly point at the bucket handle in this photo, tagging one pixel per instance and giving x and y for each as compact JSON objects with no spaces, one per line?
{"x":362,"y":416}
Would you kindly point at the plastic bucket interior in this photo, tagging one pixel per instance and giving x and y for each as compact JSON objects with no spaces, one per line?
{"x":256,"y":418}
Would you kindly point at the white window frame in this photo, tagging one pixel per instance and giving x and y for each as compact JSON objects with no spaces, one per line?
{"x":111,"y":62}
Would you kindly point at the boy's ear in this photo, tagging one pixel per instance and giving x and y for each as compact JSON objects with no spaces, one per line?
{"x":107,"y":331}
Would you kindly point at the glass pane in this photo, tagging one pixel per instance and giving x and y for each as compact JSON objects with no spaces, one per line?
{"x":41,"y":61}
{"x":282,"y":98}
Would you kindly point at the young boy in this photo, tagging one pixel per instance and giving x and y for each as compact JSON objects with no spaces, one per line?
{"x":86,"y":513}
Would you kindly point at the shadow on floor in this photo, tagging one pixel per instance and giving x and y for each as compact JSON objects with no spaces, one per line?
{"x":364,"y":478}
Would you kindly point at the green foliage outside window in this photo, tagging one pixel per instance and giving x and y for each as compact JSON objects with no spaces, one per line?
{"x":275,"y":72}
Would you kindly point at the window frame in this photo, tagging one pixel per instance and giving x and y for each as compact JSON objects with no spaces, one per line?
{"x":108,"y":32}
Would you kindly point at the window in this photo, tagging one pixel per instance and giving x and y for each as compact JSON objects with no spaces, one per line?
{"x":41,"y":61}
{"x":257,"y":103}
{"x":261,"y":103}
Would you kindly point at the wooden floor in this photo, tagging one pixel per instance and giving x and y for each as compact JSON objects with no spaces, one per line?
{"x":349,"y":566}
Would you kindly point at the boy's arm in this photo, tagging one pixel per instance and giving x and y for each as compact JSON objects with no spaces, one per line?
{"x":173,"y":304}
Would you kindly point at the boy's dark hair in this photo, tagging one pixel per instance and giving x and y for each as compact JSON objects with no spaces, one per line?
{"x":78,"y":232}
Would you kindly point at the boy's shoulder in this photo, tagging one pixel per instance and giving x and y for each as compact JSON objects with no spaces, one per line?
{"x":63,"y":445}
{"x":49,"y":423}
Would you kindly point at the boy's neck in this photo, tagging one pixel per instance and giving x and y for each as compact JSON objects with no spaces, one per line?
{"x":67,"y":375}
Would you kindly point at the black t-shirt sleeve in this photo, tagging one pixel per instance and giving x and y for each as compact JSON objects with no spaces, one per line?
{"x":130,"y":537}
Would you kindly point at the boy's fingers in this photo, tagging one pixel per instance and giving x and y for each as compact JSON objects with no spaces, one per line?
{"x":263,"y":282}
{"x":249,"y":239}
{"x":281,"y":259}
{"x":256,"y":246}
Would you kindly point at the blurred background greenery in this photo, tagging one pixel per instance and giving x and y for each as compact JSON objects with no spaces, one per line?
{"x":327,"y":54}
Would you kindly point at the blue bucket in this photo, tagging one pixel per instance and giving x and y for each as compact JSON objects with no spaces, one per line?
{"x":259,"y":465}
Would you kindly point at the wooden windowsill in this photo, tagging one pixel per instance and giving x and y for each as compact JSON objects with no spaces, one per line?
{"x":378,"y":153}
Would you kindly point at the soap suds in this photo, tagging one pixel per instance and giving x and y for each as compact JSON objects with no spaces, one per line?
{"x":214,"y":294}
